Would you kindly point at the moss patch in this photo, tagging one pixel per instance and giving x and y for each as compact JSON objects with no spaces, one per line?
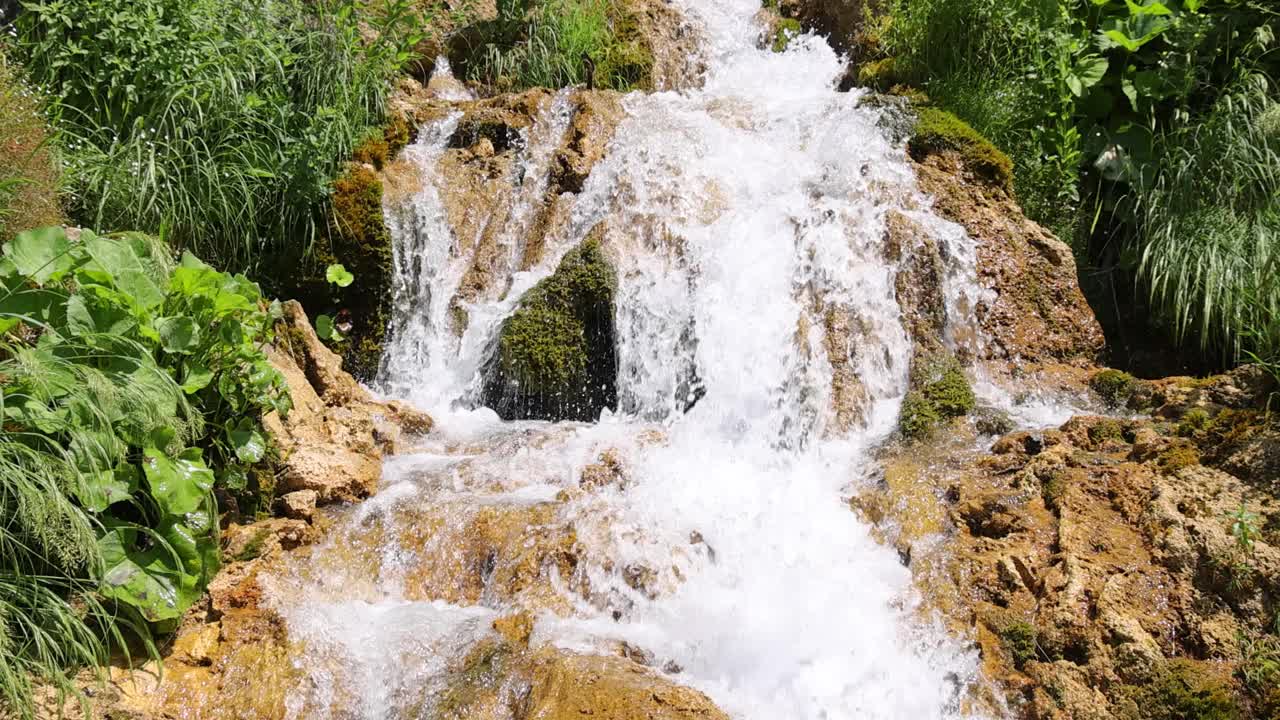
{"x":1186,"y":690}
{"x":942,"y":393}
{"x":555,"y":358}
{"x":1193,"y":422}
{"x":1177,"y":458}
{"x":880,"y":75}
{"x":1019,"y":640}
{"x":1113,"y":386}
{"x":1106,"y":431}
{"x":938,"y":131}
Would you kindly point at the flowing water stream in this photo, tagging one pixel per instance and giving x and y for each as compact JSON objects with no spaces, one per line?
{"x":739,"y":215}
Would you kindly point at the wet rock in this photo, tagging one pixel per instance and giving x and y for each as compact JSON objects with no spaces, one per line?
{"x":555,"y":358}
{"x":1036,"y":311}
{"x":1101,"y":576}
{"x":333,"y":440}
{"x":590,"y":130}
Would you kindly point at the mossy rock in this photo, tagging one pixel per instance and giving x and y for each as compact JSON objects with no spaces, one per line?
{"x":1178,"y":457}
{"x":881,"y":75}
{"x":1106,"y":431}
{"x":939,"y":131}
{"x":942,"y":393}
{"x":1113,"y":386}
{"x":1186,"y":690}
{"x":555,"y":358}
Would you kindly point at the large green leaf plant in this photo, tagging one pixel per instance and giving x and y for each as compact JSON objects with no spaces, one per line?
{"x":146,"y":380}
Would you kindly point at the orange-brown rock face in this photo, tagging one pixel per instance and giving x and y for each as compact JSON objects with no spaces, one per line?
{"x":1102,"y":568}
{"x":333,"y":440}
{"x":1038,"y":313}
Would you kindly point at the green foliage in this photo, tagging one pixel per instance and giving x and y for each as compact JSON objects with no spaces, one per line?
{"x":787,"y":30}
{"x":1177,"y":458}
{"x":937,"y":130}
{"x":338,"y":275}
{"x":1143,"y":131}
{"x":132,"y":388}
{"x":220,"y":121}
{"x":557,"y":43}
{"x":1244,"y":528}
{"x":1113,"y":386}
{"x":1260,"y":671}
{"x":942,"y":392}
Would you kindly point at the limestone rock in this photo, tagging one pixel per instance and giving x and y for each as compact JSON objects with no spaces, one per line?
{"x":333,"y":440}
{"x":300,"y":504}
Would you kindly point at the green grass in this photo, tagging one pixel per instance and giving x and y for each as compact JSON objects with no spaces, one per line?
{"x":221,"y":122}
{"x":557,"y":43}
{"x":1210,"y":216}
{"x":29,"y":173}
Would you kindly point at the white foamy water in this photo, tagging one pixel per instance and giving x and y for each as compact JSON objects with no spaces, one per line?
{"x":741,"y":217}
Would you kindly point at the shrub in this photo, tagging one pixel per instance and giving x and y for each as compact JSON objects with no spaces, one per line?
{"x":557,"y":43}
{"x":221,"y":121}
{"x":1143,"y":132}
{"x":132,"y":388}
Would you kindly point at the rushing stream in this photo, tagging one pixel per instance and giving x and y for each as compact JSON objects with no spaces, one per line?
{"x":738,"y":214}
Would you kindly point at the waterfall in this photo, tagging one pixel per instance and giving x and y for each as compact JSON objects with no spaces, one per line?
{"x":746,"y":219}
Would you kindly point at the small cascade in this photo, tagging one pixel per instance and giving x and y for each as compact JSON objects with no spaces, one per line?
{"x":704,"y":525}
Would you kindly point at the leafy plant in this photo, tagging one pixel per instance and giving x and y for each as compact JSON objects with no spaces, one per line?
{"x":221,"y":121}
{"x":326,"y":327}
{"x":133,"y":387}
{"x":1244,"y":528}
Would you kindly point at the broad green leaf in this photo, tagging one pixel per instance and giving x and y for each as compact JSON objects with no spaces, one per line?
{"x":195,"y":377}
{"x":103,"y":489}
{"x":42,"y":255}
{"x":338,"y":275}
{"x":179,"y":485}
{"x":89,"y":312}
{"x":324,"y":327}
{"x":1090,"y":70}
{"x":139,"y":286}
{"x":1121,"y":39}
{"x":1149,"y":7}
{"x":150,"y":580}
{"x":249,"y":444}
{"x":178,"y":334}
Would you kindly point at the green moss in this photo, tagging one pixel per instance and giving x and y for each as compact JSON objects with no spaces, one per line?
{"x":786,"y":30}
{"x":373,"y":150}
{"x":555,"y":355}
{"x":253,"y":548}
{"x":1113,"y":386}
{"x":1193,"y":422}
{"x":880,"y":75}
{"x":1018,"y":638}
{"x":1186,"y":690}
{"x":938,"y":130}
{"x":943,"y":393}
{"x":1106,"y":431}
{"x":1177,"y":458}
{"x":1052,"y":487}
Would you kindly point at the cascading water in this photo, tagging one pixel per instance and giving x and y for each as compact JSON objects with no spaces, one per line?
{"x":742,"y":217}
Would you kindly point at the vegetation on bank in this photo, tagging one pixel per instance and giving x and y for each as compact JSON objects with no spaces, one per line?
{"x":1145,"y":132}
{"x":133,"y":391}
{"x":220,"y":122}
{"x":557,"y":43}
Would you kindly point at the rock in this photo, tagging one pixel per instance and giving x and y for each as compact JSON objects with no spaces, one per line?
{"x":1037,"y":312}
{"x":1095,"y":575}
{"x":333,"y":440}
{"x":555,"y":358}
{"x":590,"y":130}
{"x":299,"y":505}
